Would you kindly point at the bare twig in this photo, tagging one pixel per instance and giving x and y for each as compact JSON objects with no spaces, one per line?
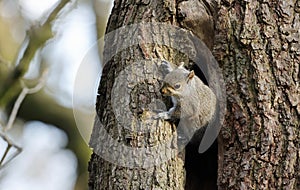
{"x":37,"y":36}
{"x":21,"y":97}
{"x":10,"y":144}
{"x":15,"y":110}
{"x":13,"y":115}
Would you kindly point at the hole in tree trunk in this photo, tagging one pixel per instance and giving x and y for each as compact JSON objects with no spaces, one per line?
{"x":201,"y":169}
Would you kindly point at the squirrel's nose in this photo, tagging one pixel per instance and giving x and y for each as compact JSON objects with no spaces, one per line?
{"x":163,"y":91}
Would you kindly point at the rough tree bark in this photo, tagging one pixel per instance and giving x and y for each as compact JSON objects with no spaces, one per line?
{"x":167,"y":174}
{"x":257,"y":45}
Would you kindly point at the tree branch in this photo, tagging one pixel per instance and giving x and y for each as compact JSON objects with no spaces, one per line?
{"x":37,"y":36}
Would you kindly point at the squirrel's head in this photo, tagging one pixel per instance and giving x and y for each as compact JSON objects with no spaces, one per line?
{"x":176,"y":82}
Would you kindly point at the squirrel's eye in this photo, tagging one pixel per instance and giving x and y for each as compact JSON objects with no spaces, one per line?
{"x":177,"y":86}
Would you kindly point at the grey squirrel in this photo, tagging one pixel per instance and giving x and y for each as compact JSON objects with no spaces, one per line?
{"x":194,"y":103}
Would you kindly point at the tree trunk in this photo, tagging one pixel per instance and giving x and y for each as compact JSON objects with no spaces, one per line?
{"x":117,"y":162}
{"x":257,"y":45}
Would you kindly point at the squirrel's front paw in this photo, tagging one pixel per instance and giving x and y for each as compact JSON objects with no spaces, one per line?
{"x":162,"y":115}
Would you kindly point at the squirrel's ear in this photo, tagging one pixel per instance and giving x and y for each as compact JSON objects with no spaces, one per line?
{"x":166,"y":67}
{"x":191,"y":75}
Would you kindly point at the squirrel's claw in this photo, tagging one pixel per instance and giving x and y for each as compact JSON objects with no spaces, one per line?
{"x":162,"y":115}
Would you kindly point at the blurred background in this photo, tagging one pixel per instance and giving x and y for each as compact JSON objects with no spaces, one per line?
{"x":52,"y":126}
